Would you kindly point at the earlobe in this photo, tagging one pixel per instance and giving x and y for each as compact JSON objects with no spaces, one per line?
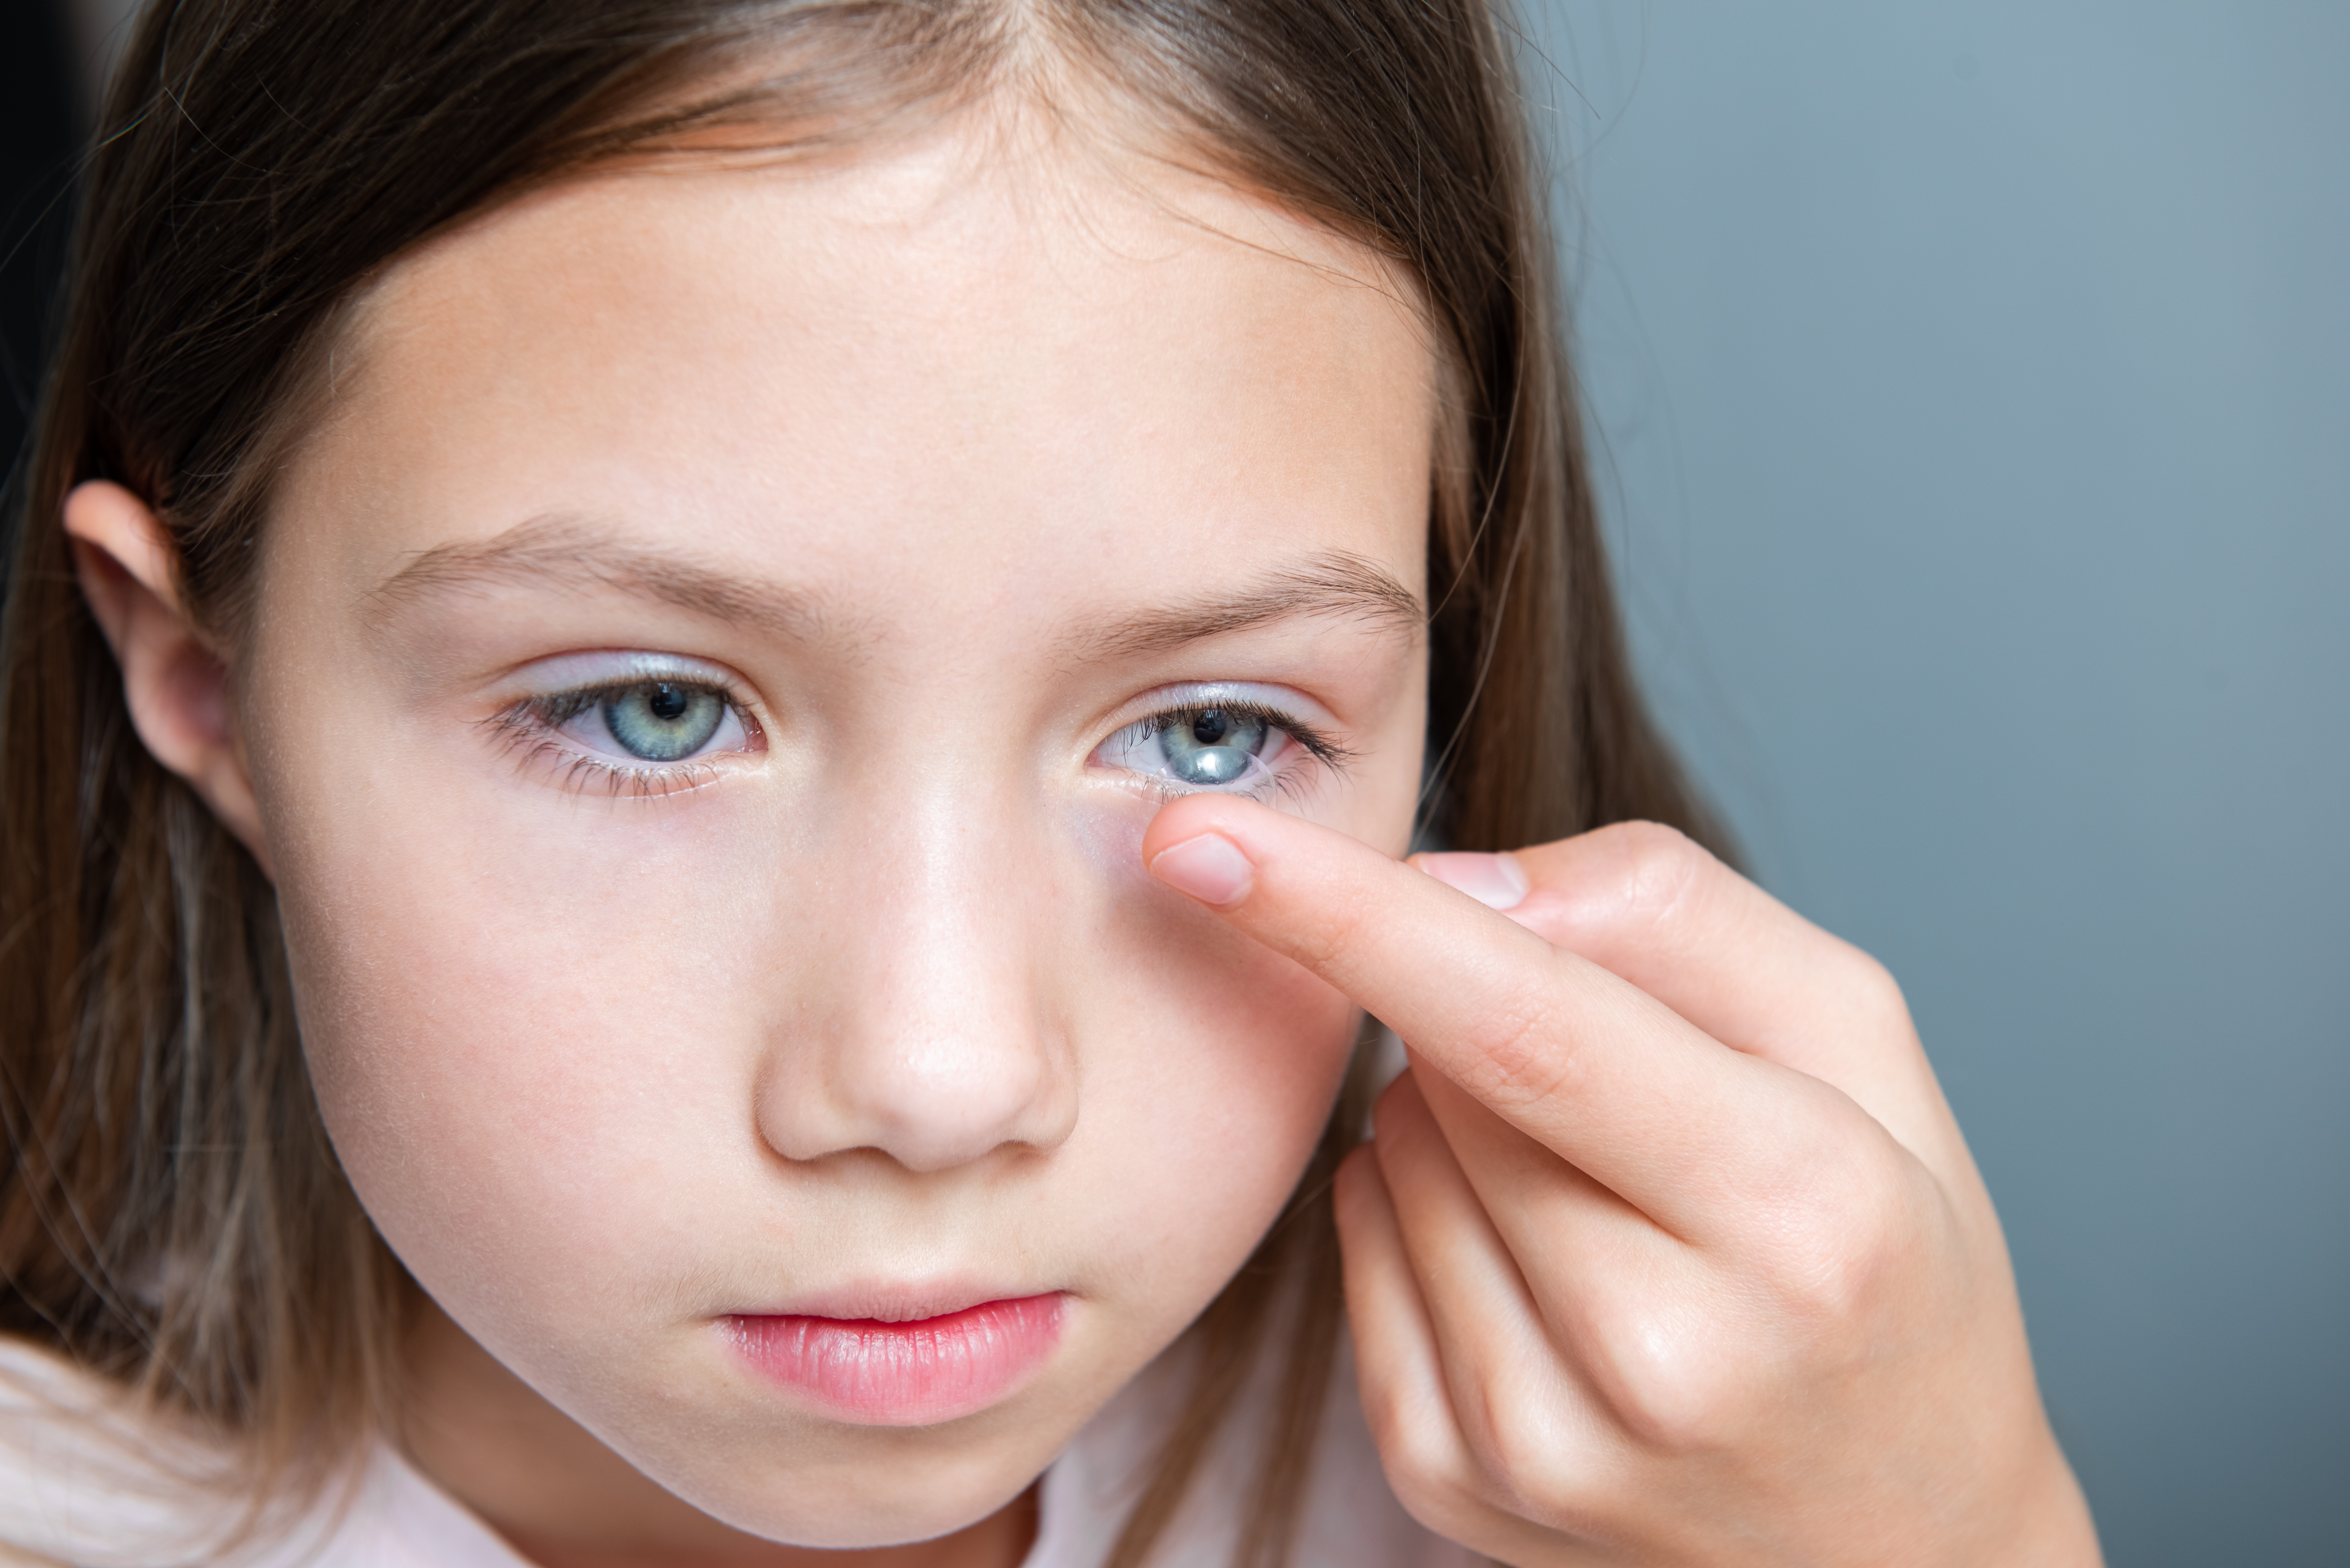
{"x":174,"y":684}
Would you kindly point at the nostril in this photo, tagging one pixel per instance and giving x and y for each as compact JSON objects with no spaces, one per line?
{"x":963,"y":1108}
{"x":948,"y":1099}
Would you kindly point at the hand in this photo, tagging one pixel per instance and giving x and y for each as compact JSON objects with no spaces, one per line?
{"x":1667,"y":1250}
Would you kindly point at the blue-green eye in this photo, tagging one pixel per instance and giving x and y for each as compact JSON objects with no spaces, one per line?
{"x":1208,"y":748}
{"x":638,"y":724}
{"x":662,"y":720}
{"x":641,"y":727}
{"x":1233,"y":744}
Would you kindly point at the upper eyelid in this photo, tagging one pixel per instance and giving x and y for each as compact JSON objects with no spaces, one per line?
{"x":1185,"y":694}
{"x":566,"y":673}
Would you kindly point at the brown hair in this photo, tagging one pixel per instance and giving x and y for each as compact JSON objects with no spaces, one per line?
{"x":172,"y":1213}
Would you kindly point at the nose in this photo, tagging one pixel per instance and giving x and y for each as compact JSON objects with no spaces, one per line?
{"x":930,"y":1031}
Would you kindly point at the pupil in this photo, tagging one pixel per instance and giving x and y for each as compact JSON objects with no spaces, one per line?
{"x":663,"y":720}
{"x":1212,"y":747}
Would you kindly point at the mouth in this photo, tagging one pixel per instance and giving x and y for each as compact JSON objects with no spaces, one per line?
{"x":903,"y":1371}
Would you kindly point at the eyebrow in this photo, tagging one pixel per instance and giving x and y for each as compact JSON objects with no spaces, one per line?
{"x":1333,"y":583}
{"x":568,"y":555}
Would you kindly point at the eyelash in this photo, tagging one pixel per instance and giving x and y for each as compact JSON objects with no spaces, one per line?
{"x":533,"y":729}
{"x":1325,"y":751}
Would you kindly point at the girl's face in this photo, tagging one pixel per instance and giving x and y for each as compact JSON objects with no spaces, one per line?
{"x":717,"y":656}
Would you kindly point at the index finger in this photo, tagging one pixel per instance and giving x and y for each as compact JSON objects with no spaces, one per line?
{"x":1645,"y":903}
{"x":1584,"y":1063}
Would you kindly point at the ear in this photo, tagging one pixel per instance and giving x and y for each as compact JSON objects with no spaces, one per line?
{"x":174,"y":684}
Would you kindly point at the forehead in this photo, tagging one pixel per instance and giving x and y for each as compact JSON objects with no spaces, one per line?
{"x":901,"y":361}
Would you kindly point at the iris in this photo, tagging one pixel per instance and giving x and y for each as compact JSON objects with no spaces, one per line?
{"x":1211,"y":746}
{"x":663,"y":720}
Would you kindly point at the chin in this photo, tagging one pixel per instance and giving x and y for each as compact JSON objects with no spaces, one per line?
{"x":913,"y":1485}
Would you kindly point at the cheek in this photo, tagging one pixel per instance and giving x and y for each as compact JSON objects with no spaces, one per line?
{"x":524,"y":1049}
{"x":1211,"y":1066}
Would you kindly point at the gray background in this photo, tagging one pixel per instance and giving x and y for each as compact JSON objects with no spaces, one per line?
{"x":1973,"y":384}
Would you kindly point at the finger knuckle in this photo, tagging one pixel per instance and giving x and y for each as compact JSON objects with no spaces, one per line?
{"x":1669,"y":1382}
{"x":1660,"y":873}
{"x":1517,"y":1052}
{"x":1524,"y":1449}
{"x":1871,"y":988}
{"x":1840,"y":1238}
{"x":1448,"y":1508}
{"x":1338,"y":930}
{"x":1425,"y":1469}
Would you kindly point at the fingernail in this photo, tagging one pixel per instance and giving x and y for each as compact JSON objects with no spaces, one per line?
{"x":1209,"y":868}
{"x":1493,"y":881}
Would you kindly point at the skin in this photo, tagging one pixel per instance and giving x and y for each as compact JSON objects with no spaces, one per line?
{"x":1667,"y":1249}
{"x":952,"y":460}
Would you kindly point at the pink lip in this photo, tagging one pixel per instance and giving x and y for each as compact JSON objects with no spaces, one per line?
{"x":904,"y":1373}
